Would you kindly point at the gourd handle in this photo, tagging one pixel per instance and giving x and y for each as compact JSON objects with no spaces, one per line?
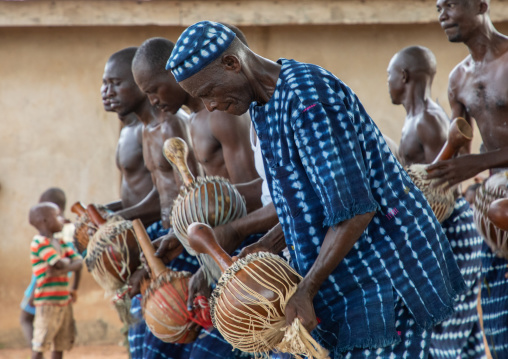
{"x":498,"y":213}
{"x":156,"y":265}
{"x":459,"y":134}
{"x":94,"y":215}
{"x":78,"y":208}
{"x":202,"y":240}
{"x":176,"y":151}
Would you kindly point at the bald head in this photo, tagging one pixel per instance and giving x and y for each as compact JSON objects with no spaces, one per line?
{"x":54,"y":195}
{"x":153,"y":55}
{"x":410,"y":68}
{"x":416,"y":59}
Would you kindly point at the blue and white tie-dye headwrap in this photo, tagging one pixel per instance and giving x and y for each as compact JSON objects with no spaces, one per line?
{"x":197,"y":47}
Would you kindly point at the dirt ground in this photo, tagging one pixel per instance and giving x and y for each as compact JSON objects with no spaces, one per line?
{"x":80,"y":352}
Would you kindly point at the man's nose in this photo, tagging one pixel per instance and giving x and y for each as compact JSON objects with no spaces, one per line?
{"x":109,"y":91}
{"x":154,"y":100}
{"x":442,"y":15}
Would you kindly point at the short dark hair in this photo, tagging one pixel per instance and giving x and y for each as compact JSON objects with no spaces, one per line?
{"x":125,"y":55}
{"x":155,"y":53}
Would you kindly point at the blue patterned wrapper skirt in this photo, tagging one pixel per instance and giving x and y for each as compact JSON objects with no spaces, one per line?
{"x":460,"y":336}
{"x":494,"y":299}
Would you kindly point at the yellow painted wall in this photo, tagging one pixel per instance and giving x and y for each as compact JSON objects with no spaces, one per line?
{"x":54,"y":132}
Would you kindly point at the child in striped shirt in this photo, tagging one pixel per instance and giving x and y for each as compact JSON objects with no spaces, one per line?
{"x":52,"y":258}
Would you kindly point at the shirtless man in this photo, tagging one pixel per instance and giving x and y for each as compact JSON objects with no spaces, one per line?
{"x":222,"y":146}
{"x":478,"y":90}
{"x":425,"y":130}
{"x":157,"y":127}
{"x":221,"y":141}
{"x":410,"y":75}
{"x":139,"y":197}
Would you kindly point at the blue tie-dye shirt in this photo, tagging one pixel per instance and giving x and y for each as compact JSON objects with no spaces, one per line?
{"x":326,"y":162}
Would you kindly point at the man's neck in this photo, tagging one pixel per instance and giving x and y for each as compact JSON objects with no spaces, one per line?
{"x":145,"y":112}
{"x":263,"y":75}
{"x":194,"y":104}
{"x":484,"y":43}
{"x":130,"y":119}
{"x":416,"y":100}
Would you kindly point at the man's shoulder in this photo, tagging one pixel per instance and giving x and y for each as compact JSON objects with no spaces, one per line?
{"x":435,"y":115}
{"x":220,"y":120}
{"x":311,"y":84}
{"x":462,"y":67}
{"x":294,"y":72}
{"x":132,"y":130}
{"x":173,"y":124}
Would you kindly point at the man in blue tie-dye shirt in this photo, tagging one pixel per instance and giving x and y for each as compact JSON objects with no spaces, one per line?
{"x":378,"y":270}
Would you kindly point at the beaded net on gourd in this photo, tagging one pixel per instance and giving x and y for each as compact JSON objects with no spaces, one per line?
{"x":84,"y":226}
{"x":165,"y":308}
{"x":441,"y":200}
{"x":211,"y":200}
{"x":254,"y":321}
{"x":112,"y":256}
{"x":495,"y":187}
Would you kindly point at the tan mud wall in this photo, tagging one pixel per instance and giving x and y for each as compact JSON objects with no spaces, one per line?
{"x":54,"y":132}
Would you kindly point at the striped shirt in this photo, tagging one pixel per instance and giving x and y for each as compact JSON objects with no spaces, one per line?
{"x":326,"y":161}
{"x":50,"y":290}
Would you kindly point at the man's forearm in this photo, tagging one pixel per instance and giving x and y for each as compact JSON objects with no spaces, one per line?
{"x":274,"y":240}
{"x":251,"y":192}
{"x":259,"y":221}
{"x":494,"y":159}
{"x":232,"y":234}
{"x":336,"y":245}
{"x":114,"y":206}
{"x":148,"y":210}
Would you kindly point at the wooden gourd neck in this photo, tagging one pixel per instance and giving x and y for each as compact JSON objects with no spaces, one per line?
{"x":156,"y":265}
{"x":460,"y":133}
{"x":176,"y":152}
{"x":95,"y":216}
{"x":202,"y":240}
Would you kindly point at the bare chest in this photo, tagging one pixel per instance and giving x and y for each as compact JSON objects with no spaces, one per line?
{"x":207,"y":149}
{"x":153,"y":142}
{"x":129,"y":153}
{"x":483,"y":92}
{"x":410,"y":148}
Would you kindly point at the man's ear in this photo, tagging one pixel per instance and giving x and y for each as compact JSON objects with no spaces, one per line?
{"x":484,"y":7}
{"x":405,"y":76}
{"x":231,"y":63}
